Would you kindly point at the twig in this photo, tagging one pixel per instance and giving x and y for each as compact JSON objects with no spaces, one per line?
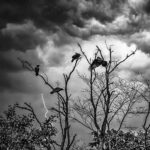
{"x":83,"y":53}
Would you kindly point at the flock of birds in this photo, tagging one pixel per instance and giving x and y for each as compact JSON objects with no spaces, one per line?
{"x":96,"y":63}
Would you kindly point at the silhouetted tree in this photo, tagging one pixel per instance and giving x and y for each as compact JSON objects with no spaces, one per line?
{"x":63,"y":104}
{"x":97,"y":110}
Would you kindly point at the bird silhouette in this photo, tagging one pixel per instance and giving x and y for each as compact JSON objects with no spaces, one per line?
{"x":104,"y":63}
{"x":36,"y":69}
{"x":57,"y":89}
{"x":96,"y":63}
{"x":75,"y":57}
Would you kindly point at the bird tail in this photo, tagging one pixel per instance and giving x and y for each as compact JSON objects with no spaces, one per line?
{"x":90,"y":68}
{"x":51,"y":92}
{"x":36,"y":74}
{"x":72,"y":60}
{"x":104,"y":63}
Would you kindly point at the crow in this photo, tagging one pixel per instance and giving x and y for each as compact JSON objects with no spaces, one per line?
{"x":57,"y":89}
{"x":75,"y":56}
{"x":96,"y":63}
{"x":104,"y":63}
{"x":36,"y":69}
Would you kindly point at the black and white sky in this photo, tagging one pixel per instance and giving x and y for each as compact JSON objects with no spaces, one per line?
{"x":46,"y":32}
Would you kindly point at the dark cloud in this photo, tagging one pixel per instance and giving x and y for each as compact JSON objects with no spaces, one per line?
{"x":9,"y":63}
{"x":62,"y":38}
{"x":15,"y":11}
{"x":23,"y":82}
{"x":21,"y":37}
{"x":56,"y":59}
{"x":44,"y":13}
{"x":68,"y":15}
{"x":58,"y":11}
{"x":9,"y":60}
{"x":83,"y":33}
{"x":12,"y":74}
{"x":19,"y":40}
{"x":146,"y":7}
{"x":52,"y":14}
{"x":144,"y":46}
{"x":79,"y":22}
{"x":104,"y":11}
{"x":98,"y":15}
{"x":107,"y":14}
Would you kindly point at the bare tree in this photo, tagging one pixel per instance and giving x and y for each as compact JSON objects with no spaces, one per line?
{"x":62,"y":109}
{"x":129,"y":96}
{"x":102,"y":104}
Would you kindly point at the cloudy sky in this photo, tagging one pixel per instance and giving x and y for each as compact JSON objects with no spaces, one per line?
{"x":46,"y":32}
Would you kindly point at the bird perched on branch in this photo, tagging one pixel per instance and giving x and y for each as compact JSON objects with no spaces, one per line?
{"x":56,"y":90}
{"x":96,"y":63}
{"x":104,"y":63}
{"x":75,"y":57}
{"x":36,"y":69}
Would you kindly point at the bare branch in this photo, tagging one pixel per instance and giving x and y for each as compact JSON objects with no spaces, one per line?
{"x":122,"y":61}
{"x":80,"y":122}
{"x":100,"y":52}
{"x":72,"y":141}
{"x":30,"y":109}
{"x":84,"y":53}
{"x":146,"y":117}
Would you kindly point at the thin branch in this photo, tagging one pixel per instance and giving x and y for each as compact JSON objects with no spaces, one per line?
{"x":146,"y":117}
{"x":122,"y":61}
{"x":84,"y":53}
{"x":100,"y":52}
{"x":73,"y":139}
{"x":30,"y":109}
{"x":82,"y":123}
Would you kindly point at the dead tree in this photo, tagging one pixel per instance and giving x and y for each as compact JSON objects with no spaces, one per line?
{"x":129,"y":96}
{"x":95,"y":110}
{"x":63,"y":105}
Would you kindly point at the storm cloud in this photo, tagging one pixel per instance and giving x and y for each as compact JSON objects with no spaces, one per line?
{"x":21,"y":37}
{"x":75,"y":17}
{"x":18,"y":40}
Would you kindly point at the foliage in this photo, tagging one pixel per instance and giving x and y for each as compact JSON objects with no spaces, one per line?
{"x":21,"y":131}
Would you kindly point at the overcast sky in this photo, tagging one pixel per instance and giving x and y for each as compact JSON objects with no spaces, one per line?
{"x":46,"y":32}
